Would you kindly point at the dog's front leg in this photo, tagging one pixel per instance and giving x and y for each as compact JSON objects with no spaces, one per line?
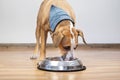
{"x":43,"y":44}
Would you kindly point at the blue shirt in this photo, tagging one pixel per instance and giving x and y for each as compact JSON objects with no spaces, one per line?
{"x":56,"y":16}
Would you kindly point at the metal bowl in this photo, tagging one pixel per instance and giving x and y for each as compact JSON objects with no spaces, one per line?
{"x":55,"y":64}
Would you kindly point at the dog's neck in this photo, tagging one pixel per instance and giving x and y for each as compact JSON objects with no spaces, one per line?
{"x":63,"y":25}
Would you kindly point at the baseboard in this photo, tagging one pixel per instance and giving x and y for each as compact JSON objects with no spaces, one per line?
{"x":32,"y":45}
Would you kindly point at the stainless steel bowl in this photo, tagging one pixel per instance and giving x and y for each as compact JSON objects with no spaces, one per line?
{"x":55,"y":64}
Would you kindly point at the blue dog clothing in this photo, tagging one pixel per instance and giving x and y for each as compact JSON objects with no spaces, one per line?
{"x":56,"y":16}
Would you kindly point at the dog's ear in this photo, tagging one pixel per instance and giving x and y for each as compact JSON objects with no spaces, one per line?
{"x":57,"y":38}
{"x":80,"y":33}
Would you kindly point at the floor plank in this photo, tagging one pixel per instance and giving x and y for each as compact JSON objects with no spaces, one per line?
{"x":101,"y":63}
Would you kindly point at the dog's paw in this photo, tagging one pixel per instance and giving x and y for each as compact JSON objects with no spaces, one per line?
{"x":34,"y":57}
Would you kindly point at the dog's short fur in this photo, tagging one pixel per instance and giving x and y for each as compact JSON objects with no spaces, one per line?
{"x":65,"y":33}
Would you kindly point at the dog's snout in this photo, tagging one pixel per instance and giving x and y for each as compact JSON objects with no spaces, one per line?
{"x":75,"y":47}
{"x":67,"y":48}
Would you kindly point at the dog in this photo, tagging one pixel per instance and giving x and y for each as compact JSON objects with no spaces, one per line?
{"x":58,"y":18}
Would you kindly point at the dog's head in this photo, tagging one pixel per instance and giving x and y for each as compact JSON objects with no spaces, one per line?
{"x":66,"y":38}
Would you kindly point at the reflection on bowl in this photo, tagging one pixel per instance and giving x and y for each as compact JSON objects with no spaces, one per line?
{"x":56,"y":64}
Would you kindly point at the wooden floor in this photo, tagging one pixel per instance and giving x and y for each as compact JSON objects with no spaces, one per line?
{"x":101,"y":63}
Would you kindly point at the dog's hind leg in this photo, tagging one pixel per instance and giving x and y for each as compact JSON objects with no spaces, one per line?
{"x":36,"y":50}
{"x":43,"y":44}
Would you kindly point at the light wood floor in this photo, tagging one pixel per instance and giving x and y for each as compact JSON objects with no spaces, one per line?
{"x":101,"y":63}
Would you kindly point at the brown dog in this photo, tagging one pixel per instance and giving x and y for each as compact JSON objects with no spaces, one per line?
{"x":64,"y":36}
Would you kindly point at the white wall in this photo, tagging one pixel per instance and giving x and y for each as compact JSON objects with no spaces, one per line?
{"x":99,"y":20}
